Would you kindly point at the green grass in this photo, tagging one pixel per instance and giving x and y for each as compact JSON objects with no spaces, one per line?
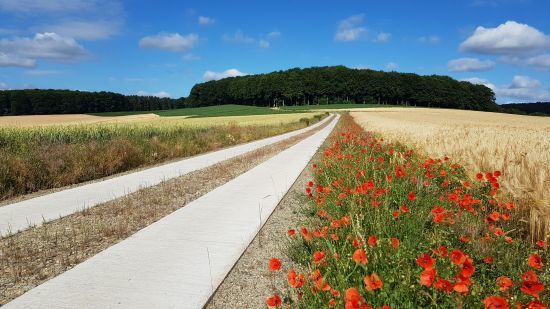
{"x":332,"y":106}
{"x":209,"y":111}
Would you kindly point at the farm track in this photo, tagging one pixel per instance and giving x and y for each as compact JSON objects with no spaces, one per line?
{"x":34,"y":212}
{"x":166,"y":264}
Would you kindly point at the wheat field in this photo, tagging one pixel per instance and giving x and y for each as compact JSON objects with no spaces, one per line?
{"x":519,"y":146}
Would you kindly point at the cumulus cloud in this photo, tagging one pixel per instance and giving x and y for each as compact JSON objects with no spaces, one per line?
{"x":174,"y":42}
{"x":510,"y":38}
{"x":522,"y":89}
{"x":383,"y":37}
{"x":24,"y":52}
{"x":431,"y":39}
{"x":28,"y":6}
{"x":210,"y":75}
{"x":85,"y":29}
{"x":160,"y":94}
{"x":470,"y":65}
{"x":540,"y":62}
{"x":238,"y":37}
{"x":351,"y":29}
{"x":11,"y":61}
{"x":204,"y":21}
{"x":392,"y":66}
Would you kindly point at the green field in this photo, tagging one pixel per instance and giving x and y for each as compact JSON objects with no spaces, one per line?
{"x":209,"y":111}
{"x":332,"y":106}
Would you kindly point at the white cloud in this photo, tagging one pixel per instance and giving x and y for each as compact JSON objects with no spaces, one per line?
{"x":48,"y":46}
{"x":238,"y":37}
{"x":470,"y":65}
{"x":85,"y":29}
{"x":350,"y":29}
{"x":161,"y":94}
{"x":383,"y":37}
{"x":432,"y":39}
{"x":10,"y":61}
{"x":392,"y":66}
{"x":522,"y":89}
{"x":264,"y":44}
{"x":170,"y":41}
{"x":510,"y":38}
{"x":274,"y":35}
{"x":4,"y":86}
{"x":42,"y":72}
{"x":210,"y":75}
{"x":31,"y":6}
{"x":204,"y":21}
{"x":540,"y":62}
{"x":362,"y":67}
{"x":520,"y":81}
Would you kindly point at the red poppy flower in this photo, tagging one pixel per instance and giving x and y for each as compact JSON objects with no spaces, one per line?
{"x":395,"y":214}
{"x":372,"y":282}
{"x":444,"y":285}
{"x":495,"y":302}
{"x":318,"y":257}
{"x":273,"y":301}
{"x":479,"y":176}
{"x":296,"y":280}
{"x":274,"y":264}
{"x":460,"y":287}
{"x":411,"y":196}
{"x":488,"y":260}
{"x":395,"y":242}
{"x":310,"y":184}
{"x":291,"y":232}
{"x":532,"y":288}
{"x":404,"y":209}
{"x":504,"y":283}
{"x":536,"y":304}
{"x":359,"y":256}
{"x":464,"y":239}
{"x":353,"y":299}
{"x":427,"y":277}
{"x":458,"y":257}
{"x":468,"y":268}
{"x":535,"y":261}
{"x":540,"y":243}
{"x":372,"y":241}
{"x":425,"y":261}
{"x":493,"y":217}
{"x":529,"y":276}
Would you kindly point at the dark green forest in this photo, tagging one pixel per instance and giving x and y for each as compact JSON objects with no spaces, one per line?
{"x":37,"y":102}
{"x":310,"y":86}
{"x":324,"y":85}
{"x":538,"y":108}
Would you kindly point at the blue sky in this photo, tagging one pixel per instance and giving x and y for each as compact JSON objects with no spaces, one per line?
{"x":165,"y":47}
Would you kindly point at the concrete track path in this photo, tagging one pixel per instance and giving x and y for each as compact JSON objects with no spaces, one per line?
{"x":179,"y":261}
{"x":35,"y":211}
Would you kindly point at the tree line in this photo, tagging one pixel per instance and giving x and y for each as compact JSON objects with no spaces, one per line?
{"x":40,"y":101}
{"x":536,"y":109}
{"x":325,"y":85}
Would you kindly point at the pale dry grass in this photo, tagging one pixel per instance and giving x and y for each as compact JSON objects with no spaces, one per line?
{"x":72,"y":119}
{"x":153,"y":119}
{"x":519,"y":146}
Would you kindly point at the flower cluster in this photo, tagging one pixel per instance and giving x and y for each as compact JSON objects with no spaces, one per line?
{"x":389,"y":228}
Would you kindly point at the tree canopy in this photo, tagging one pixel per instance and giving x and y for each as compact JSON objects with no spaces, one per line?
{"x":41,"y":101}
{"x":325,"y":85}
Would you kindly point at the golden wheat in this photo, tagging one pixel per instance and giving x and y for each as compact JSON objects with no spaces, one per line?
{"x":519,"y":146}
